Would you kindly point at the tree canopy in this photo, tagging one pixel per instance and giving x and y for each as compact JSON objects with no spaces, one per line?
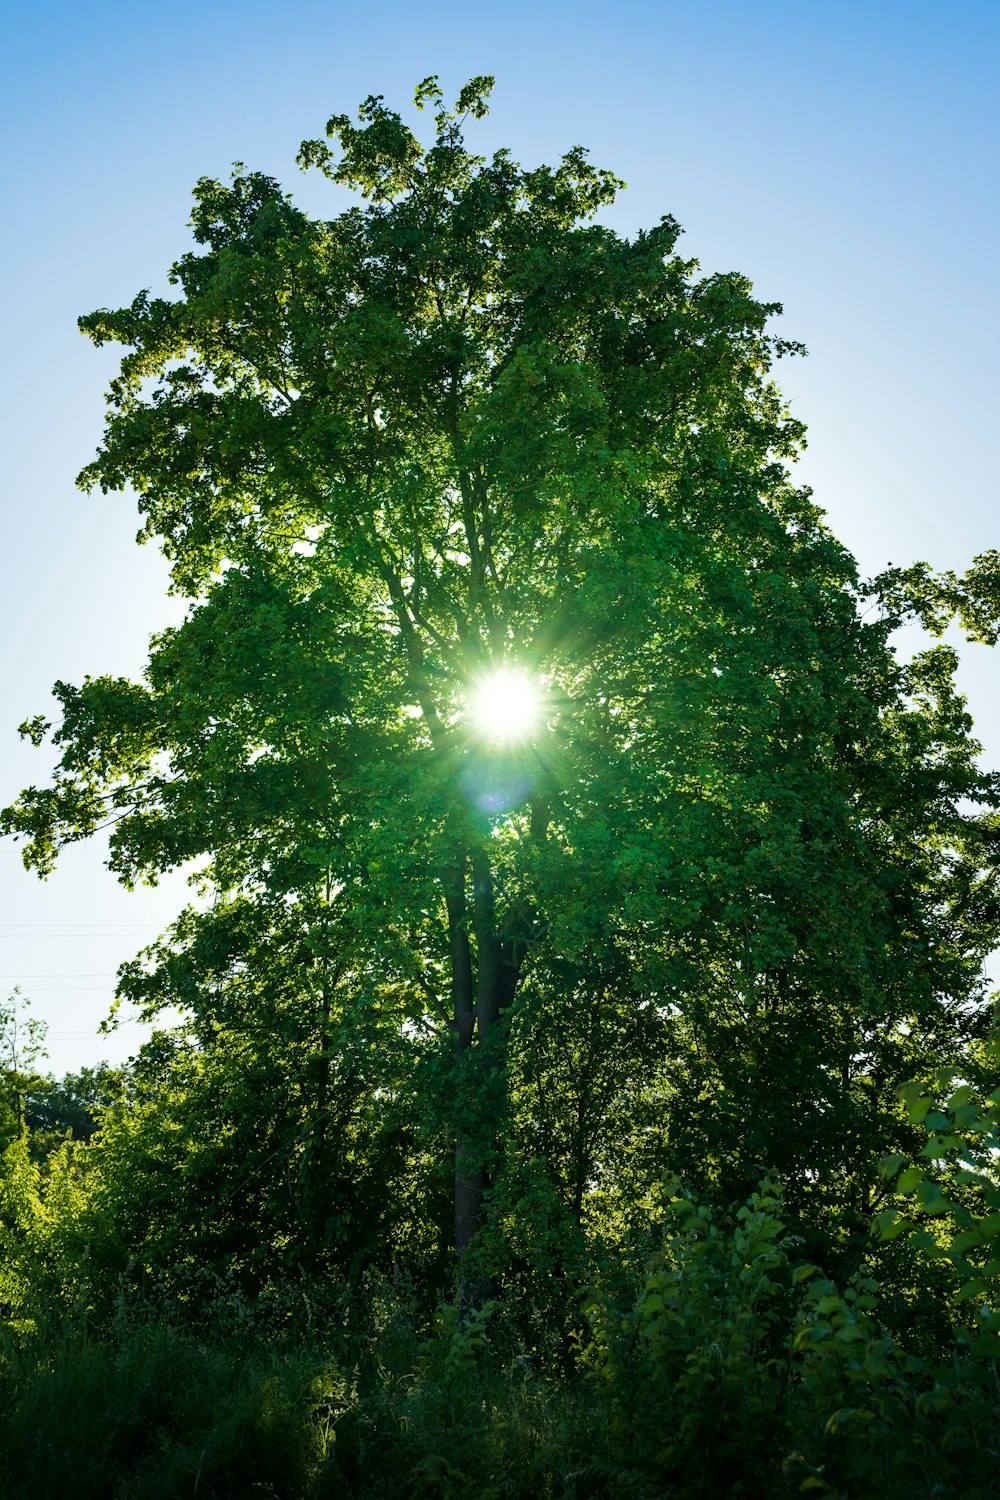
{"x":730,"y":882}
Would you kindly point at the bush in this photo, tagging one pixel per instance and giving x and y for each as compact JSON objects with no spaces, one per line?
{"x":694,"y":1375}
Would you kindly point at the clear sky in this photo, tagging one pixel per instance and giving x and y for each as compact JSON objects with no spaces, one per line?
{"x":841,"y":154}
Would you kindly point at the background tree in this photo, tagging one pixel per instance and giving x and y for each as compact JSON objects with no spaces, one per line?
{"x":722,"y":891}
{"x":22,"y":1043}
{"x":71,"y":1106}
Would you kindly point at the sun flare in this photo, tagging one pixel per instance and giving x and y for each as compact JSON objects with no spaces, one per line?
{"x":505,"y":705}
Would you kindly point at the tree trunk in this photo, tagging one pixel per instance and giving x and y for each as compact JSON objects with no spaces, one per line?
{"x":469,"y":1185}
{"x":480,"y":998}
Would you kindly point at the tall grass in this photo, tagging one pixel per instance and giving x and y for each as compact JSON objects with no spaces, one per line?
{"x":349,"y":1397}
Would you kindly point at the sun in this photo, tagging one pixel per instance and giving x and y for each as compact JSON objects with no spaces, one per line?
{"x":505,"y":705}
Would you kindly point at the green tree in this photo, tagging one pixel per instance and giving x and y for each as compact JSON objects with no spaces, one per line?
{"x":724,"y":886}
{"x":68,"y":1106}
{"x":22,"y":1043}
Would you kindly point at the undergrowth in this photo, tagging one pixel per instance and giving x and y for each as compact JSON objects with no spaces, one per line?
{"x":734,"y":1370}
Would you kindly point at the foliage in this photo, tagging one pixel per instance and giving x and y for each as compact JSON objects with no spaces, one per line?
{"x":631,"y":996}
{"x":69,"y":1107}
{"x":739,"y":1370}
{"x":735,"y":1369}
{"x":692,"y":1371}
{"x":22,"y":1042}
{"x":948,"y":1198}
{"x":734,"y":887}
{"x":156,"y":1413}
{"x":209,"y":1163}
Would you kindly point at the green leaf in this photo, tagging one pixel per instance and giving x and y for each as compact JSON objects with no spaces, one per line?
{"x":909,"y":1181}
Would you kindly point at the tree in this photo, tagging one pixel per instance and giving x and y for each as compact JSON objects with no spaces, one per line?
{"x":22,"y":1043}
{"x":68,"y":1106}
{"x":462,"y":439}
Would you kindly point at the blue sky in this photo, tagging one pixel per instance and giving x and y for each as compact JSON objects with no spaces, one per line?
{"x":842,"y":155}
